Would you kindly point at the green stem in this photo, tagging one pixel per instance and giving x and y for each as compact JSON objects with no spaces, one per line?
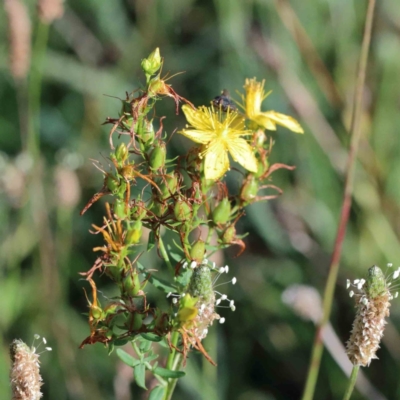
{"x":165,"y":254}
{"x":352,"y":382}
{"x":35,"y":86}
{"x":346,"y":205}
{"x":174,"y":363}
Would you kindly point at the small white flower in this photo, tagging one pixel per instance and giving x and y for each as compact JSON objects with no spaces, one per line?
{"x":221,"y":270}
{"x":226,"y":269}
{"x":174,"y":300}
{"x":185,"y":264}
{"x":234,"y":280}
{"x":351,"y":294}
{"x":221,"y":320}
{"x":348,"y":283}
{"x":389,"y":265}
{"x":169,"y":294}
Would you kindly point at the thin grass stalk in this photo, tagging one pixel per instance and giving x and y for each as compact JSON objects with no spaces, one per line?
{"x":35,"y":89}
{"x":346,"y":205}
{"x":352,"y":382}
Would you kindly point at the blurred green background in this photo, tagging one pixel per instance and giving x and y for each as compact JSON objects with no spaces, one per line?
{"x":307,"y":51}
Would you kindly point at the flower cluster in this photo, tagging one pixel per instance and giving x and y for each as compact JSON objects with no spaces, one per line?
{"x":186,"y":197}
{"x":25,"y":374}
{"x":372,"y":299}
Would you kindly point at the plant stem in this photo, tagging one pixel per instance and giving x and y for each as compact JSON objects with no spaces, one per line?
{"x":174,"y":363}
{"x":175,"y":358}
{"x":352,"y":382}
{"x":35,"y":86}
{"x":165,"y":254}
{"x":346,"y":205}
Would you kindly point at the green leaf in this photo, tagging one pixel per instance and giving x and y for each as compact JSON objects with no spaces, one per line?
{"x":150,"y":358}
{"x":157,"y":393}
{"x":175,"y":256}
{"x":167,"y":373}
{"x":152,"y":241}
{"x":152,"y":337}
{"x":145,"y":345}
{"x":121,"y":342}
{"x":162,"y":284}
{"x":140,"y":372}
{"x":127,"y":358}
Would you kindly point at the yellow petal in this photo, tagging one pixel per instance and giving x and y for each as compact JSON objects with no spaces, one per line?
{"x":242,"y":152}
{"x":200,"y":118}
{"x":284,"y":120}
{"x":198,"y":136}
{"x":265,"y":122}
{"x":216,"y":161}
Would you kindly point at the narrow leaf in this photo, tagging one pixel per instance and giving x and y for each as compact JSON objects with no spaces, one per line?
{"x":140,"y":375}
{"x":157,"y":393}
{"x":127,"y":358}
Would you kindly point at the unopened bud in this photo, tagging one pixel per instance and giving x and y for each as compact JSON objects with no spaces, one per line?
{"x":249,"y":190}
{"x":229,"y":234}
{"x":120,"y":209}
{"x":157,"y":156}
{"x":131,"y":284}
{"x":222,"y":212}
{"x":112,"y":183}
{"x":121,"y":153}
{"x":197,"y":251}
{"x":134,"y":233}
{"x":182,"y":211}
{"x":152,"y":63}
{"x":168,"y":186}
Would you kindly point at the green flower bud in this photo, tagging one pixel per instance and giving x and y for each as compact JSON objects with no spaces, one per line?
{"x":159,"y":209}
{"x":152,"y":63}
{"x":120,"y":208}
{"x":222,"y":212}
{"x":134,"y":233}
{"x":131,"y":284}
{"x":121,"y":153}
{"x":229,"y":234}
{"x":112,"y":183}
{"x":197,"y":251}
{"x":249,"y":190}
{"x":114,"y":272}
{"x":139,"y":211}
{"x":168,"y":186}
{"x":134,"y":321}
{"x":145,"y":131}
{"x":157,"y":156}
{"x":182,"y":211}
{"x":261,"y":168}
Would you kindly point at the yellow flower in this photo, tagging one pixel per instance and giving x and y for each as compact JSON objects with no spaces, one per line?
{"x":268,"y":119}
{"x":220,"y":133}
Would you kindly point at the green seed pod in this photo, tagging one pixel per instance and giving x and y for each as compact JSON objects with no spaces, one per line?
{"x":112,"y":183}
{"x":139,"y":211}
{"x":96,"y":312}
{"x":114,"y":273}
{"x":229,"y":234}
{"x":197,"y":251}
{"x":152,"y":63}
{"x":261,"y":168}
{"x":168,"y":186}
{"x":120,"y":208}
{"x":131,"y":284}
{"x":145,"y":131}
{"x":121,"y":153}
{"x":134,"y":321}
{"x":155,"y":85}
{"x":182,"y":211}
{"x":249,"y":190}
{"x":157,"y":156}
{"x":159,"y":209}
{"x":134,"y":233}
{"x":222,"y":212}
{"x":200,"y":285}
